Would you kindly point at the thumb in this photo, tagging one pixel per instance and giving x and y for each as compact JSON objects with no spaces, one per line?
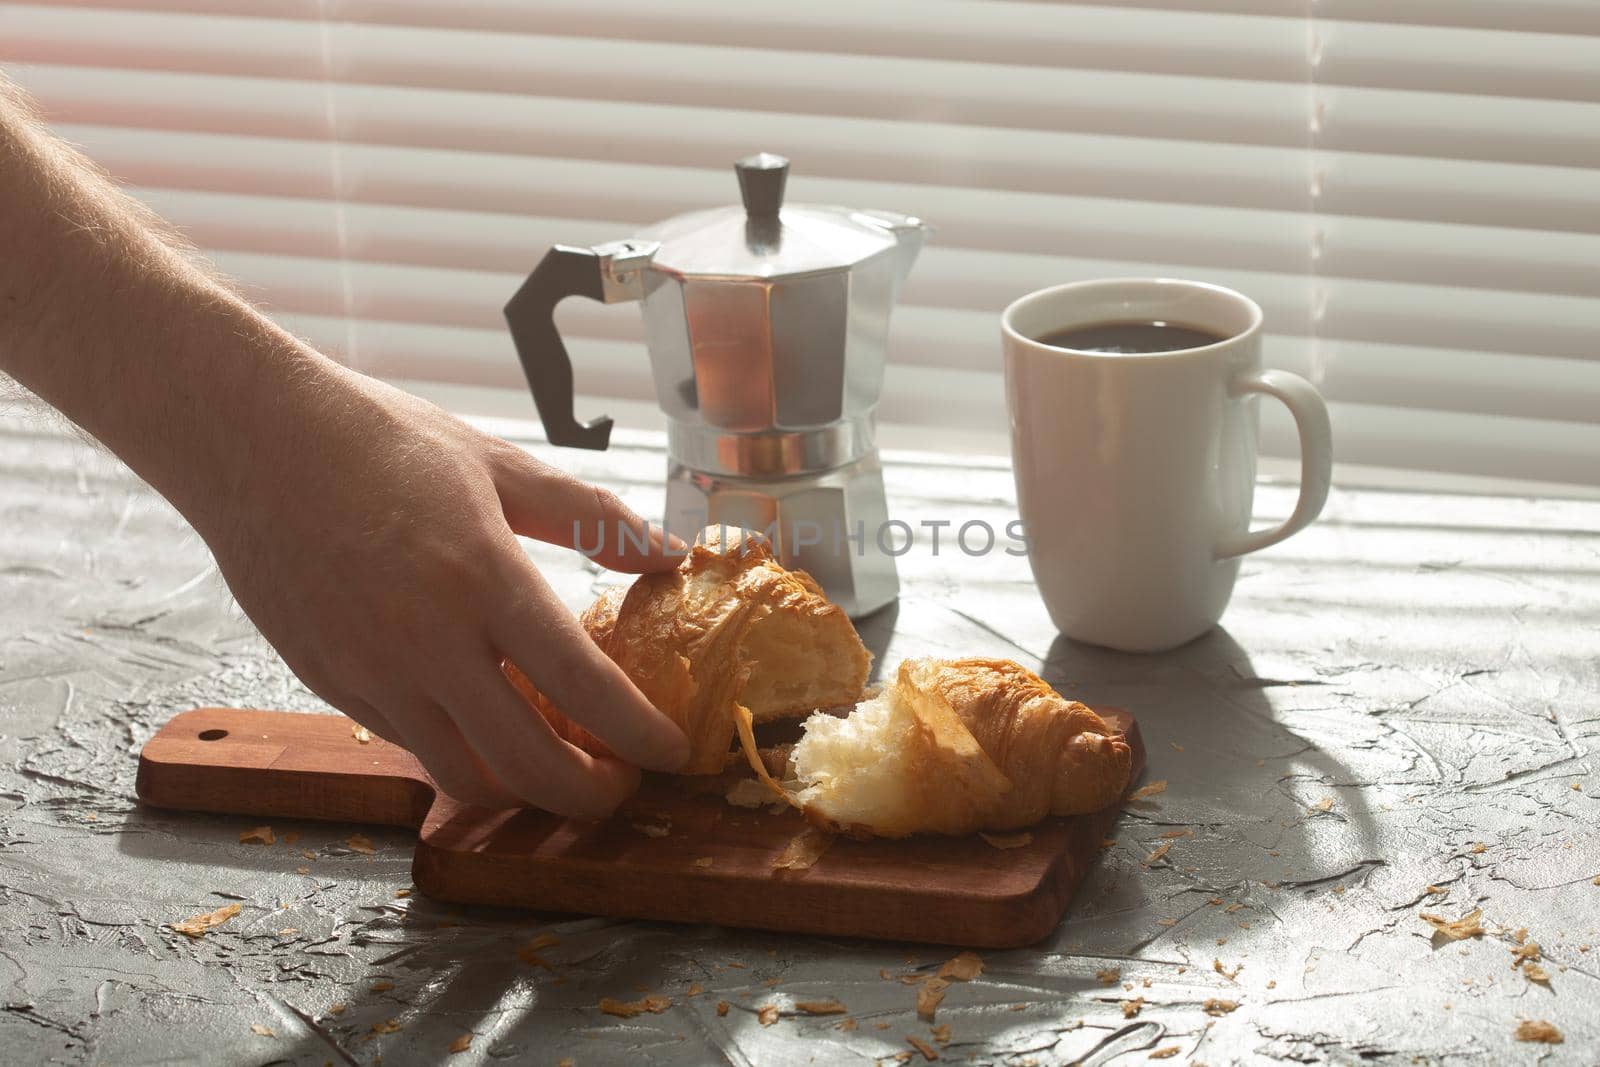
{"x":550,"y":505}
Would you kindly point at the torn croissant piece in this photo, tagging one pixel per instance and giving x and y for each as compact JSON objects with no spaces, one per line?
{"x":729,"y":627}
{"x":956,"y":746}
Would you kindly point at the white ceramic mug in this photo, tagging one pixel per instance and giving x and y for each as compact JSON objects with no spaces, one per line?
{"x":1136,"y":472}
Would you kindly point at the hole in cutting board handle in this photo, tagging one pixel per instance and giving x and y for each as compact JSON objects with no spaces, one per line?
{"x":213,"y":735}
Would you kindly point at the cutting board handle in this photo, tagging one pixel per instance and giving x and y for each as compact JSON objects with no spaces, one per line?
{"x":281,"y":764}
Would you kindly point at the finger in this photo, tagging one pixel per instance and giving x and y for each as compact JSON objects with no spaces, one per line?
{"x":565,"y":728}
{"x":525,"y":754}
{"x":358,"y":710}
{"x":373,"y":719}
{"x":539,"y":635}
{"x":550,"y":505}
{"x":429,"y":734}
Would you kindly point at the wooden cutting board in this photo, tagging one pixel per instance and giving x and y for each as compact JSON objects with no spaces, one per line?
{"x":955,"y":891}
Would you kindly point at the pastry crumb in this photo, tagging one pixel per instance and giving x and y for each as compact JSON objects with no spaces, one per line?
{"x":1164,"y":1053}
{"x":196,"y":926}
{"x":388,"y":1026}
{"x":1219,"y":1007}
{"x":1131,"y":1008}
{"x":262,"y":1031}
{"x":963,"y":968}
{"x":1158,"y":855}
{"x":655,"y":1004}
{"x":1539,"y":1031}
{"x":722,"y":1007}
{"x":261,"y":835}
{"x":1007,"y":841}
{"x":462,"y":1043}
{"x":820,"y":1007}
{"x":929,"y":1053}
{"x":360,"y":843}
{"x":768,"y":1014}
{"x":1454,"y":929}
{"x":803,"y":850}
{"x":382,"y":985}
{"x":1153,"y":789}
{"x":753,"y":793}
{"x":1109,"y":976}
{"x":1216,"y":965}
{"x":929,"y":996}
{"x":362,"y":735}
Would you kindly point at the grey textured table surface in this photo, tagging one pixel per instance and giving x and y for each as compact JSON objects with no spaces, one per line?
{"x":1406,"y":696}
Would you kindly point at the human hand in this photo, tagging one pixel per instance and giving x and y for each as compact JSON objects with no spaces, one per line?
{"x":368,"y":534}
{"x":373,"y":545}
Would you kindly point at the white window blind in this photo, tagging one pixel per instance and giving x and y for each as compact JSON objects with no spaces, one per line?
{"x":1410,"y":188}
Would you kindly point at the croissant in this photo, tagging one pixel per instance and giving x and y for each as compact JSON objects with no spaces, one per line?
{"x":729,"y":628}
{"x":956,"y":746}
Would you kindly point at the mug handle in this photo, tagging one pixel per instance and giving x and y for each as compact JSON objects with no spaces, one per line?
{"x":1316,"y":456}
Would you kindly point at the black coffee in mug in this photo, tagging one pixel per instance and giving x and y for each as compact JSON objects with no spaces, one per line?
{"x":1131,"y":337}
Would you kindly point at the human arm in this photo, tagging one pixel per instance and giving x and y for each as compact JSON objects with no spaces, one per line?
{"x":369,"y":535}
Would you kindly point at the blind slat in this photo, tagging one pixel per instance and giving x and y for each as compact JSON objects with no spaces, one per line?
{"x":1446,"y":59}
{"x":996,"y":222}
{"x":1010,"y":33}
{"x":1552,"y":133}
{"x":925,"y":143}
{"x":1527,"y":16}
{"x":842,"y":85}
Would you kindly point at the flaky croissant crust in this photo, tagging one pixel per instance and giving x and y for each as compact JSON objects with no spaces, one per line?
{"x":690,"y":639}
{"x":991,"y":746}
{"x":1062,"y":758}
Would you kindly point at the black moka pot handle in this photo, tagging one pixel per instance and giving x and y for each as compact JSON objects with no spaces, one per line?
{"x":609,"y":273}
